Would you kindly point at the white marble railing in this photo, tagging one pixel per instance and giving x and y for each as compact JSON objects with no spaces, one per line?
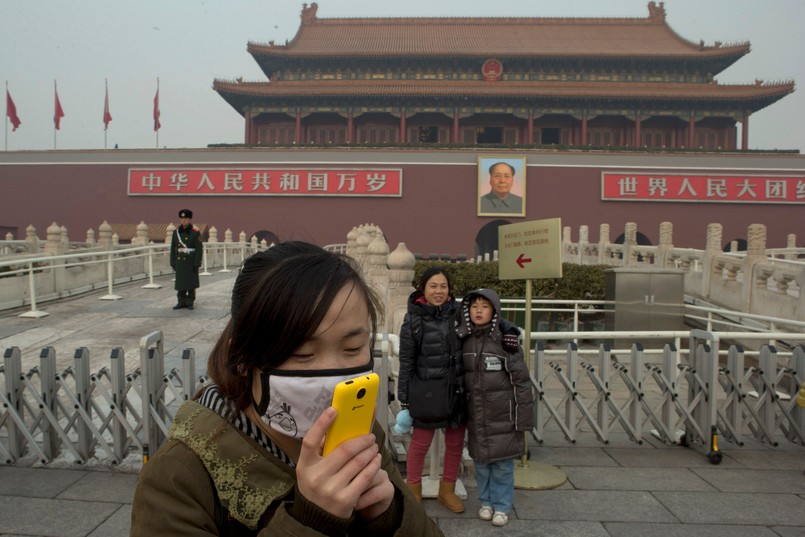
{"x":34,"y":271}
{"x":758,"y":280}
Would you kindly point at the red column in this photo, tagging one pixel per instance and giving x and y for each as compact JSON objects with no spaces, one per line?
{"x":584,"y":128}
{"x":402,"y":127}
{"x":529,"y":137}
{"x":297,"y":135}
{"x":691,"y":129}
{"x":638,"y":140}
{"x":455,"y":127}
{"x":247,"y":136}
{"x":349,"y":127}
{"x":745,"y":133}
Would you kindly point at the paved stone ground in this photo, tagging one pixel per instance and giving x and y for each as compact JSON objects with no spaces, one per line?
{"x":620,"y":489}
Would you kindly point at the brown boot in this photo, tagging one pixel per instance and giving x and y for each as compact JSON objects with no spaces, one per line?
{"x":416,"y":488}
{"x":447,"y":497}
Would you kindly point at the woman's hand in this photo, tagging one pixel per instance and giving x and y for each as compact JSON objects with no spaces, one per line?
{"x":349,"y":479}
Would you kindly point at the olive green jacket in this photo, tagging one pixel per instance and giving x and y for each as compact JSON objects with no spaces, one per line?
{"x":175,"y":494}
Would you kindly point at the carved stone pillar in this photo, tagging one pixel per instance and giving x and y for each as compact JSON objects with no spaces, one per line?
{"x":32,"y":239}
{"x":105,"y":235}
{"x":755,"y":253}
{"x":584,"y":242}
{"x":65,"y":239}
{"x":141,"y":237}
{"x":603,"y":244}
{"x":53,"y":245}
{"x":710,"y":269}
{"x":362,"y":245}
{"x":629,"y":241}
{"x":791,"y":243}
{"x":352,"y":242}
{"x":401,"y":264}
{"x":666,"y":244}
{"x":377,"y":272}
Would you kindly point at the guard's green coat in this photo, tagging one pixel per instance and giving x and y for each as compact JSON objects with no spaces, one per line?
{"x":186,"y":264}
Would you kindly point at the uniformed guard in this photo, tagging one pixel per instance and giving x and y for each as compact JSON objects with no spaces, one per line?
{"x":186,"y":255}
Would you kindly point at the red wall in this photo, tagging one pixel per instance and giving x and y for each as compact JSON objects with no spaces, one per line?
{"x":436,"y":213}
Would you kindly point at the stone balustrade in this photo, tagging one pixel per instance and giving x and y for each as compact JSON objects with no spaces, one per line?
{"x":760,"y":281}
{"x":37,"y":271}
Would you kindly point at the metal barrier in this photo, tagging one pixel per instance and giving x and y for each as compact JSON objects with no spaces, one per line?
{"x":680,"y":396}
{"x":686,"y":398}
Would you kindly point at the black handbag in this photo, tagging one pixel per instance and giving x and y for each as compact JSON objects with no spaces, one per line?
{"x":432,"y":400}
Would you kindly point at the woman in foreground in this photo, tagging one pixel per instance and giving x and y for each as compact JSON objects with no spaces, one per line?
{"x":244,"y":458}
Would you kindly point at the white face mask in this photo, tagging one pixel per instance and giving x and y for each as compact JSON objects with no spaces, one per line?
{"x":293,"y":400}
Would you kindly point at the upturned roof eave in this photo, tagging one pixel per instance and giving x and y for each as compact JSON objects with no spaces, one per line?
{"x":285,"y":55}
{"x":240,"y":94}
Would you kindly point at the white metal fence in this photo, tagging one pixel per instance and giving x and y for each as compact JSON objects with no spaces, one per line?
{"x":690,"y":390}
{"x":32,"y":281}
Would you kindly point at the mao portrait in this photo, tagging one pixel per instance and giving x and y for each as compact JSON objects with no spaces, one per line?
{"x":501,"y":186}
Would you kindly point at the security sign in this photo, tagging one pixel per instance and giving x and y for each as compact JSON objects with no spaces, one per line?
{"x":530,"y":250}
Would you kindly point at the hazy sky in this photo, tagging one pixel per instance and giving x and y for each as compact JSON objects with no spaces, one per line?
{"x":188,"y":43}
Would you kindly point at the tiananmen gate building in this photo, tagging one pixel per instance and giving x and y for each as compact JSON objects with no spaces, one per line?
{"x":606,"y":82}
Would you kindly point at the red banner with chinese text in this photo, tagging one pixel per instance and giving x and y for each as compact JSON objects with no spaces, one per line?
{"x":373,"y":182}
{"x":676,"y":187}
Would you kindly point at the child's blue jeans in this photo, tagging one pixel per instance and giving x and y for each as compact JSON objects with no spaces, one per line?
{"x":496,"y":484}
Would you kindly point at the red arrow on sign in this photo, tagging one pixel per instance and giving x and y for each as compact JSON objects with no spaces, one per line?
{"x":523,"y":260}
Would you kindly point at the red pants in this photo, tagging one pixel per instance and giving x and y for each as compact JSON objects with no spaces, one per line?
{"x":420,"y":443}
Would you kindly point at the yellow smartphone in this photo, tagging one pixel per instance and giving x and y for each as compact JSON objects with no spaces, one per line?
{"x":355,"y":400}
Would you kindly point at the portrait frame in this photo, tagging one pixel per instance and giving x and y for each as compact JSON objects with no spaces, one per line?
{"x":487,"y":204}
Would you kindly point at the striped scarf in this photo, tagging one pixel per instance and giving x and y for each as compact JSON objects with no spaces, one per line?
{"x":212,"y":399}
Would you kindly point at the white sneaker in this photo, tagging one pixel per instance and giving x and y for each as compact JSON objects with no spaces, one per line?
{"x":485,"y":512}
{"x":500,"y":519}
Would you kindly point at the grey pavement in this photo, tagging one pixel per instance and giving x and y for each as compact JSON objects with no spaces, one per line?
{"x":619,"y":489}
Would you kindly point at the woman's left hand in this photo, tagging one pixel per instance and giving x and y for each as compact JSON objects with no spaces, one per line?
{"x":349,"y":479}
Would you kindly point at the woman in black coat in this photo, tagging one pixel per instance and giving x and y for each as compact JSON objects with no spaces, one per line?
{"x":431,"y":383}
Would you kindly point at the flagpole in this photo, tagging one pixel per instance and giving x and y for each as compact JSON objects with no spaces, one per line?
{"x":55,"y":93}
{"x":5,"y":123}
{"x":105,"y":110}
{"x":157,"y":130}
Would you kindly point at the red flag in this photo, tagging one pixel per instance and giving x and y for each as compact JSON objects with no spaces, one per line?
{"x":11,"y":112}
{"x":59,"y":113}
{"x":107,"y":117}
{"x":157,"y":124}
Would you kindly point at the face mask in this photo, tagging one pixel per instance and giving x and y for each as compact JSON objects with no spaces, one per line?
{"x":293,"y":400}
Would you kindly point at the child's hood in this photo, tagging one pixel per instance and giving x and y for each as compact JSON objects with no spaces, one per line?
{"x":489,"y":294}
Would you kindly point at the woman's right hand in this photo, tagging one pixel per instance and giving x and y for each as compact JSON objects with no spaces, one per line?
{"x":337,"y":482}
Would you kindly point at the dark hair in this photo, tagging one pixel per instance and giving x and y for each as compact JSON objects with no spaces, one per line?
{"x":476,"y":297}
{"x":430,"y":273}
{"x":278,"y":301}
{"x":492,"y":167}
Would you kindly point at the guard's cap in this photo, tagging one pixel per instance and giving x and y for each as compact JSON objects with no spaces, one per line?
{"x":185,"y":213}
